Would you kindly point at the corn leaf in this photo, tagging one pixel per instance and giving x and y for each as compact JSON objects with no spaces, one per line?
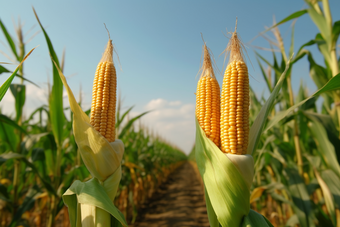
{"x":26,"y":205}
{"x":258,"y":125}
{"x":323,"y":47}
{"x":4,"y":87}
{"x":302,"y":204}
{"x":333,"y":183}
{"x":130,"y":123}
{"x":331,"y":85}
{"x":19,"y":93}
{"x":327,"y":194}
{"x":265,"y":76}
{"x":93,"y":193}
{"x":8,"y":156}
{"x":290,"y":17}
{"x":291,"y":48}
{"x":317,"y":72}
{"x":254,"y":219}
{"x":7,"y":120}
{"x":335,"y":32}
{"x":3,"y":70}
{"x":31,"y":140}
{"x":325,"y":147}
{"x":9,"y":40}
{"x":8,"y":135}
{"x":293,"y":221}
{"x":56,"y":98}
{"x":321,"y":23}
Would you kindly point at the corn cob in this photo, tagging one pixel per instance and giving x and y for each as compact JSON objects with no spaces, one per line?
{"x":234,"y":121}
{"x":103,"y":108}
{"x":208,"y":100}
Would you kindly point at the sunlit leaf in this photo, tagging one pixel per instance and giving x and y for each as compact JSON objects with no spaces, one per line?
{"x":329,"y":200}
{"x":333,"y":84}
{"x":303,"y":206}
{"x":9,"y":40}
{"x":257,"y":127}
{"x":4,"y":87}
{"x":325,"y":147}
{"x":56,"y":98}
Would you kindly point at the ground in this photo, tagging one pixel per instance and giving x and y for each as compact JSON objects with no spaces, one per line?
{"x":178,"y":202}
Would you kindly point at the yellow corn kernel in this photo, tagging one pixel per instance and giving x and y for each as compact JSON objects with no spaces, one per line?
{"x":208,"y":101}
{"x":234,"y":122}
{"x":103,"y":108}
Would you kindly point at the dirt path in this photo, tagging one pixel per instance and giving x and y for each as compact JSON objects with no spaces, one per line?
{"x":178,"y":202}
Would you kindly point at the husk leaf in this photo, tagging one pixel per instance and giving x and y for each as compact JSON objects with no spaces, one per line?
{"x":102,"y":159}
{"x":227,"y":185}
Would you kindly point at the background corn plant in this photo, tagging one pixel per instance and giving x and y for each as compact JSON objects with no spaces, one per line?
{"x":297,"y":166}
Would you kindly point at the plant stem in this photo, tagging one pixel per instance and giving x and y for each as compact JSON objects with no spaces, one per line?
{"x":296,"y":129}
{"x":50,"y":221}
{"x":15,"y":185}
{"x":332,"y":49}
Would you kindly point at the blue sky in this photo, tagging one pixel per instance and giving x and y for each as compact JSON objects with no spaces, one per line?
{"x":159,"y":46}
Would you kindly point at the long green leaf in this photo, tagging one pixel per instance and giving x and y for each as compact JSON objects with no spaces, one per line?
{"x":317,"y":72}
{"x":323,"y":47}
{"x":130,"y":123}
{"x":321,"y":23}
{"x":303,"y":206}
{"x":290,"y":17}
{"x":8,"y":136}
{"x":333,"y":182}
{"x":9,"y":40}
{"x":4,"y":87}
{"x":8,"y":156}
{"x":291,"y":48}
{"x":19,"y":93}
{"x":335,"y":32}
{"x":257,"y":127}
{"x":333,"y":84}
{"x":7,"y":120}
{"x":3,"y":70}
{"x":325,"y":147}
{"x":327,"y":194}
{"x":26,"y":205}
{"x":56,"y":98}
{"x":274,"y":67}
{"x":331,"y":130}
{"x":265,"y":76}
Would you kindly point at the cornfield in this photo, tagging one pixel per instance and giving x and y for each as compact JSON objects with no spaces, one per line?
{"x":293,"y":139}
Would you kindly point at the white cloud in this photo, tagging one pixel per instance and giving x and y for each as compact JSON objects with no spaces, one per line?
{"x":155,"y":104}
{"x":35,"y":97}
{"x":172,"y":120}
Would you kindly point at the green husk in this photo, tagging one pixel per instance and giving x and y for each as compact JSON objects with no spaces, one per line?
{"x":103,"y":160}
{"x":227,"y":185}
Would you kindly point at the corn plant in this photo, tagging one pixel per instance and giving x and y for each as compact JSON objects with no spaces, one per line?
{"x":51,"y":157}
{"x":296,"y":162}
